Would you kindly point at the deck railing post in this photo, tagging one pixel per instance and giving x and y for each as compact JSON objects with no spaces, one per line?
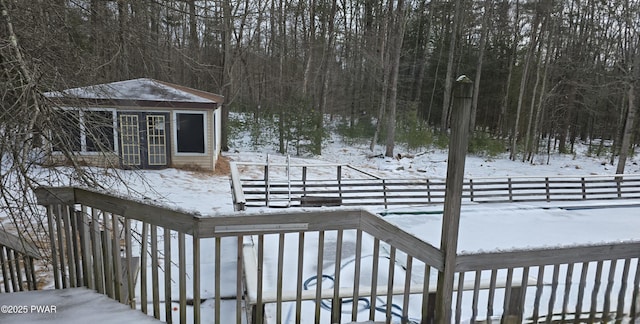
{"x":458,"y":143}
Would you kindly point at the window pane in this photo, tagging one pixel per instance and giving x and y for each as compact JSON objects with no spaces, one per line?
{"x":156,"y":141}
{"x":70,"y":139}
{"x":99,"y":130}
{"x":130,"y":139}
{"x":190,"y":133}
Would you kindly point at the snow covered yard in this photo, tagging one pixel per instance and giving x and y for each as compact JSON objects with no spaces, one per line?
{"x":484,"y":227}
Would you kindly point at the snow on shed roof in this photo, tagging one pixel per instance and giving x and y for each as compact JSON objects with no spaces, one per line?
{"x":143,"y":89}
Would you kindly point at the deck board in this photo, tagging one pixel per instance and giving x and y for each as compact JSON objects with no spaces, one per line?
{"x":74,"y":305}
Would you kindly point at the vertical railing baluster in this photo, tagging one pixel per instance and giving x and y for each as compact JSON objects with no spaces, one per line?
{"x":407,"y":287}
{"x":595,"y":290}
{"x":581,"y":286}
{"x":518,"y":304}
{"x":107,"y":257}
{"x":85,"y":246}
{"x":390,"y":283}
{"x":623,"y":288}
{"x":635,"y":296}
{"x":356,"y":276}
{"x":476,"y":293}
{"x":196,"y":276}
{"x":33,"y":274}
{"x":54,"y":248}
{"x":69,"y":238}
{"x":143,"y":268}
{"x":239,"y":272}
{"x":12,"y":270}
{"x":279,"y":275}
{"x":60,"y":229}
{"x":427,"y":311}
{"x":155,"y":293}
{"x":492,"y":293}
{"x":168,"y":312}
{"x":27,"y":271}
{"x":554,"y":289}
{"x":607,"y":294}
{"x":507,"y":294}
{"x":96,"y":249}
{"x":75,"y":239}
{"x":299,"y":277}
{"x":567,"y":290}
{"x":217,"y":281}
{"x":320,"y":265}
{"x":336,"y":303}
{"x":459,"y":293}
{"x":374,"y":278}
{"x":130,"y":264}
{"x":117,"y":264}
{"x":5,"y":273}
{"x":259,"y":306}
{"x":182,"y":276}
{"x":539,"y":288}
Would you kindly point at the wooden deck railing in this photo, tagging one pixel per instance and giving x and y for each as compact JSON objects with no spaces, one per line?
{"x":17,"y":262}
{"x":365,"y":189}
{"x":331,"y":266}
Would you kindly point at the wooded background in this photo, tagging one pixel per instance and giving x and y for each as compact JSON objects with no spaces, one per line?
{"x":546,"y":72}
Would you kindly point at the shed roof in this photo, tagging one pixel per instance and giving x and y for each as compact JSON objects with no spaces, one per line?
{"x":140,"y":92}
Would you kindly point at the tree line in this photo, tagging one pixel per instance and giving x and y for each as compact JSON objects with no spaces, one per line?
{"x":547,"y":73}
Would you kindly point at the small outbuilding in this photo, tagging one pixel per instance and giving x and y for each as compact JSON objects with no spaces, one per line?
{"x":142,"y":123}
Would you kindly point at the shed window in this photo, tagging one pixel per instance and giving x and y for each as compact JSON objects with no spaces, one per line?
{"x":98,"y":126}
{"x":71,"y":138}
{"x":87,"y":131}
{"x":190,"y":132}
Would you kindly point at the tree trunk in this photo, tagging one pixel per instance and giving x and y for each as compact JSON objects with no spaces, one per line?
{"x":486,"y":25}
{"x":395,"y":67}
{"x":523,"y":85}
{"x":384,"y":59}
{"x":448,"y":80}
{"x":625,"y":146}
{"x":226,"y":72}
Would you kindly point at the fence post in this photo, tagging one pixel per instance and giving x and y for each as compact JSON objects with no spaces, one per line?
{"x":304,"y":180}
{"x":458,"y":143}
{"x":340,"y":180}
{"x":266,"y":182}
{"x":546,"y":181}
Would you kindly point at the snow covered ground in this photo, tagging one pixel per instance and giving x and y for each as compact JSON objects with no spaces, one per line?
{"x":483,"y":227}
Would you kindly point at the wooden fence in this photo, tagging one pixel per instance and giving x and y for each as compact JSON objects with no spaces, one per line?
{"x":17,"y":262}
{"x":324,"y":267}
{"x":365,"y":189}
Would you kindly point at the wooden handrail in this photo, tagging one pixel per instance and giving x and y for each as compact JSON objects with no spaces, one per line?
{"x":18,"y":244}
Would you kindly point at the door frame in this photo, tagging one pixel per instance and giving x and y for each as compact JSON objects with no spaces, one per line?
{"x":143,"y":139}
